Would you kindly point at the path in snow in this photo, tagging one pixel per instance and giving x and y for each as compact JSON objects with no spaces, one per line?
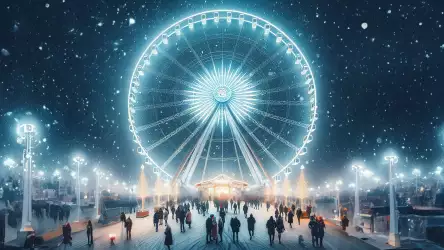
{"x":145,"y":237}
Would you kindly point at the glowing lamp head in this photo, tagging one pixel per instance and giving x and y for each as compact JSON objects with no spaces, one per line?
{"x":438,"y":170}
{"x":302,"y":167}
{"x":391,"y":158}
{"x":416,"y":172}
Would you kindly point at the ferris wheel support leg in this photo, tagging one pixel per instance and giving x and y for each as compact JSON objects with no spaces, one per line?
{"x":244,"y":150}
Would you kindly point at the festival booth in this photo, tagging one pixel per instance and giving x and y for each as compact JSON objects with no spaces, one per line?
{"x":221,"y":187}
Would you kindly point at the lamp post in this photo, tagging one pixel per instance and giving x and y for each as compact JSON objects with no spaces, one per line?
{"x":438,"y":173}
{"x":394,"y":239}
{"x":338,"y":189}
{"x":78,"y":160}
{"x":97,"y":193}
{"x":56,"y":174}
{"x":356,"y":217}
{"x":416,"y":172}
{"x":26,"y":134}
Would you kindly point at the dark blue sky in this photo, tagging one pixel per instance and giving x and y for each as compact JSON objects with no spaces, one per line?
{"x":69,"y":64}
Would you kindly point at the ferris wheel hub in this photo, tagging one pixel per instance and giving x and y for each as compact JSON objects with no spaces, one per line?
{"x":222,"y":94}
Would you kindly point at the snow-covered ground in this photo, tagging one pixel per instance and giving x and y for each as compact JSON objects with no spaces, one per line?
{"x":145,"y":237}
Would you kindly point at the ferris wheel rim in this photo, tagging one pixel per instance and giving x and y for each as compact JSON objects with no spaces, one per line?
{"x":314,"y":114}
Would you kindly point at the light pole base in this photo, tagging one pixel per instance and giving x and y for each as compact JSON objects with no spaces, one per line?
{"x":394,"y":240}
{"x":22,"y":234}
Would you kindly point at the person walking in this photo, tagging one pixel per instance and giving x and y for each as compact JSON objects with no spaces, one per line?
{"x":314,"y":228}
{"x":321,"y":230}
{"x":285,"y":211}
{"x":276,"y":213}
{"x":156,"y":220}
{"x":245,"y":210}
{"x":281,"y":210}
{"x":208,"y":226}
{"x":173,"y":211}
{"x":160,"y":216}
{"x":168,"y":237}
{"x":89,"y":233}
{"x":214,"y":228}
{"x":280,"y":228}
{"x":165,"y":216}
{"x":290,"y":218}
{"x":178,"y":213}
{"x":122,"y":218}
{"x":344,"y":222}
{"x":129,"y":226}
{"x":251,"y":221}
{"x":207,"y":206}
{"x":271,"y":227}
{"x":203,"y":208}
{"x":222,"y":214}
{"x":231,"y":203}
{"x":182,"y":216}
{"x":188,"y":218}
{"x":235,"y":208}
{"x":268,"y":205}
{"x":299,"y":215}
{"x":235,"y":226}
{"x":220,"y":225}
{"x":293,"y":208}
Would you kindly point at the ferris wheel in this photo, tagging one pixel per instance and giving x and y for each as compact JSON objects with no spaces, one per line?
{"x":222,"y":91}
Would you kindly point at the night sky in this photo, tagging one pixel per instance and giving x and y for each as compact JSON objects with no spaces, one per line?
{"x":67,"y":64}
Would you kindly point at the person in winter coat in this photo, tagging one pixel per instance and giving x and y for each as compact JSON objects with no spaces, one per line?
{"x":276,"y":213}
{"x":235,"y":208}
{"x":122,"y":218}
{"x":245,"y":210}
{"x":314,"y":228}
{"x":268,"y":205}
{"x":203,"y":208}
{"x":299,"y":215}
{"x":165,"y":216}
{"x":222,"y":214}
{"x":293,"y":208}
{"x":66,"y":231}
{"x":280,"y":228}
{"x":220,"y":225}
{"x":89,"y":233}
{"x":271,"y":227}
{"x":251,"y":221}
{"x":182,"y":216}
{"x":321,"y":230}
{"x":235,"y":226}
{"x":208,"y":226}
{"x":168,"y":236}
{"x":207,"y":206}
{"x":156,"y":220}
{"x":344,"y":222}
{"x":281,"y":210}
{"x":173,"y":211}
{"x":285,"y":211}
{"x":188,"y":218}
{"x":179,"y":208}
{"x":290,"y":218}
{"x":129,"y":226}
{"x":160,"y":216}
{"x":214,"y":228}
{"x":231,"y":204}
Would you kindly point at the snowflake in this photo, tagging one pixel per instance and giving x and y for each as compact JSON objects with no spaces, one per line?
{"x":364,"y":25}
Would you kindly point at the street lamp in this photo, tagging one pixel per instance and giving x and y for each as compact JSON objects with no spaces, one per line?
{"x":97,"y":195}
{"x":58,"y":176}
{"x":394,"y":239}
{"x":78,"y":160}
{"x":356,"y":219}
{"x":26,"y":135}
{"x":338,"y":189}
{"x":438,"y":173}
{"x":416,"y":172}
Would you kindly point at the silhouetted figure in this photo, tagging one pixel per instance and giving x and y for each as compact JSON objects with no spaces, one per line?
{"x":251,"y":221}
{"x":271,"y":227}
{"x":168,"y":237}
{"x":89,"y":232}
{"x":235,"y":226}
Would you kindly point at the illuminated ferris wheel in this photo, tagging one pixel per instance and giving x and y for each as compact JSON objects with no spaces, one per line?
{"x":222,"y":91}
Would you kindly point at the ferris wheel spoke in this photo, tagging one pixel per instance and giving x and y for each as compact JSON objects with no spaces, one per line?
{"x":285,"y":103}
{"x":276,"y":135}
{"x":237,"y":155}
{"x":177,"y":130}
{"x":171,"y":78}
{"x":162,"y":105}
{"x":266,"y":62}
{"x":182,"y":146}
{"x":250,"y":51}
{"x":261,"y":145}
{"x":280,"y":89}
{"x":208,"y":154}
{"x":198,"y":58}
{"x":234,"y":49}
{"x":164,"y":120}
{"x":178,"y":64}
{"x":271,"y":78}
{"x":168,"y":91}
{"x":210,"y":53}
{"x":279,"y":118}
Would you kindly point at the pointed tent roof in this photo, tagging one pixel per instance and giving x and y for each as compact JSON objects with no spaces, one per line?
{"x":222,"y":179}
